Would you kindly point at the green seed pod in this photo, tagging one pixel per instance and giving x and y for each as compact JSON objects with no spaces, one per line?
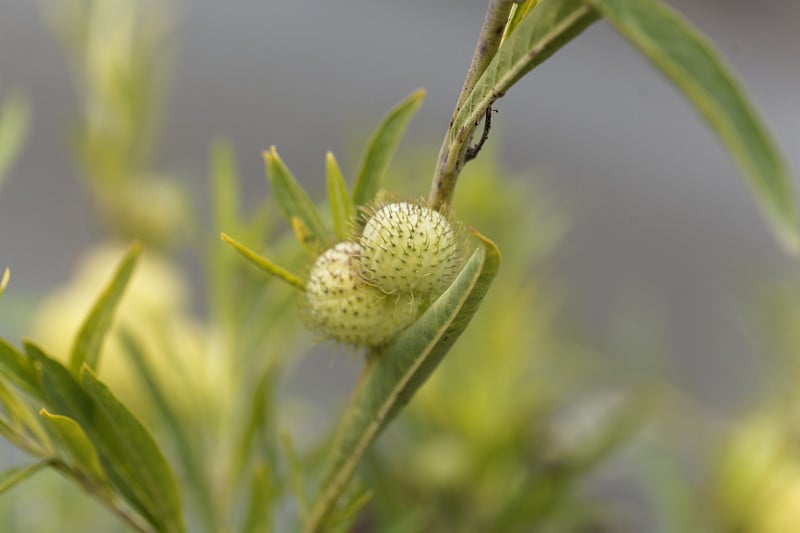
{"x":409,"y":248}
{"x":340,"y":305}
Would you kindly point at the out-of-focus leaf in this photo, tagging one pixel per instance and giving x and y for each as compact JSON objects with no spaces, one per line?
{"x":296,"y":476}
{"x":14,"y":123}
{"x":265,"y":264}
{"x":76,"y":444}
{"x":393,"y":374}
{"x":24,"y":429}
{"x":382,"y":147}
{"x":4,"y":281}
{"x":127,"y":453}
{"x":550,"y":25}
{"x":292,"y":199}
{"x":194,"y":469}
{"x":88,"y":343}
{"x":259,"y":513}
{"x":128,"y":444}
{"x":18,"y":369}
{"x":691,"y":63}
{"x":16,"y":475}
{"x":342,"y":208}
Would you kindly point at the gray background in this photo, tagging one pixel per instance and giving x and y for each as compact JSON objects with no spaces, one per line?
{"x":661,"y":217}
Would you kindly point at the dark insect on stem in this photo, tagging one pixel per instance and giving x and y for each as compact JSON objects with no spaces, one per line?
{"x":472,"y":151}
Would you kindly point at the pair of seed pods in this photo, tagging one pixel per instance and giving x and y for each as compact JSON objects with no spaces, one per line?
{"x":366,"y":290}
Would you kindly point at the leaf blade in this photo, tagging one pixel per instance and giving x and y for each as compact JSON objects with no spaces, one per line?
{"x":691,"y":63}
{"x":342,"y":208}
{"x":264,"y":264}
{"x":292,"y":199}
{"x":75,"y":442}
{"x":392,"y":376}
{"x":88,"y":343}
{"x":14,"y":125}
{"x":382,"y":146}
{"x":18,"y":369}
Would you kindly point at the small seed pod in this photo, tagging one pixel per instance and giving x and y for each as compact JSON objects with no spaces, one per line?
{"x":340,"y":305}
{"x":409,"y":248}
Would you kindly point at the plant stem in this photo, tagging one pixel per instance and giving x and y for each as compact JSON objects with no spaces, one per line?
{"x":452,"y":153}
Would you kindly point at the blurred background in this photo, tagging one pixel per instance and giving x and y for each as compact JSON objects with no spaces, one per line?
{"x":665,"y":264}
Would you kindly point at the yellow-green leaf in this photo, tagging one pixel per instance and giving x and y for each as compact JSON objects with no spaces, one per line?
{"x":292,"y":200}
{"x":75,"y":443}
{"x":382,"y":147}
{"x":265,"y":264}
{"x":690,"y":62}
{"x":89,"y":342}
{"x":342,"y":208}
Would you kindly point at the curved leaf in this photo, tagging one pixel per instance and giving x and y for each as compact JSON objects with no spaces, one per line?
{"x":393,"y":374}
{"x":75,"y":443}
{"x":690,"y":62}
{"x":382,"y":146}
{"x":97,"y":324}
{"x":18,"y":369}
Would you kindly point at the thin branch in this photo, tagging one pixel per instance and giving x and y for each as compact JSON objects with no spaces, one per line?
{"x":451,"y":155}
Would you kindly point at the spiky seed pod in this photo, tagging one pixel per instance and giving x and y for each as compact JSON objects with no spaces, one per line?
{"x":340,"y":305}
{"x":409,"y":248}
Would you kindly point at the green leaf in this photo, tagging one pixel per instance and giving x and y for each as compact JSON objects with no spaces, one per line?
{"x":259,"y":505}
{"x":14,"y":122}
{"x":382,"y":147}
{"x":342,"y":208}
{"x":393,"y":375}
{"x":549,"y":25}
{"x":88,"y":343}
{"x":518,"y":12}
{"x":127,"y":453}
{"x":75,"y":443}
{"x":296,"y":475}
{"x":24,"y":429}
{"x":193,"y":467}
{"x":4,"y":281}
{"x":127,"y":444}
{"x":265,"y":264}
{"x":13,"y":476}
{"x":292,"y":200}
{"x":18,"y":369}
{"x":691,"y":63}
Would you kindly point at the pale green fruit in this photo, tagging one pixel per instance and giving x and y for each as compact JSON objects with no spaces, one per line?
{"x":340,"y":305}
{"x":409,"y":248}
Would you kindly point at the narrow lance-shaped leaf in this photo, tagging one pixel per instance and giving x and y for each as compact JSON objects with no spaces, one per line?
{"x":395,"y":373}
{"x":265,"y":264}
{"x":14,"y":476}
{"x":382,"y":147}
{"x":88,"y":343}
{"x":690,"y":62}
{"x":342,"y":208}
{"x":292,"y":200}
{"x":127,"y":453}
{"x":550,"y":25}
